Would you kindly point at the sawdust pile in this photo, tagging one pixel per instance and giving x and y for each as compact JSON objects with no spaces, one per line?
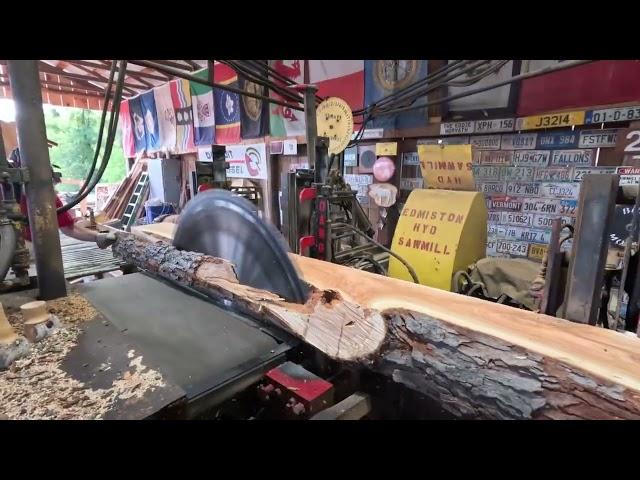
{"x":35,"y":387}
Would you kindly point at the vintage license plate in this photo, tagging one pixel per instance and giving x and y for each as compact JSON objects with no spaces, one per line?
{"x":494,"y":157}
{"x":531,"y":158}
{"x":553,"y":174}
{"x":598,"y":138}
{"x":494,"y":217}
{"x":580,"y":172}
{"x":456,"y":128}
{"x":504,"y":203}
{"x":408,"y":158}
{"x":495,"y":125}
{"x":564,"y":119}
{"x":572,"y":157}
{"x":519,"y":141}
{"x":517,"y":219}
{"x":492,"y":188}
{"x":526,"y":234}
{"x":486,"y":142}
{"x":549,"y":206}
{"x":411,"y":183}
{"x":560,"y":190}
{"x":529,"y":189}
{"x":537,"y":251}
{"x":492,"y":229}
{"x":517,"y":249}
{"x":621,"y":114}
{"x":546,"y":221}
{"x":555,"y":140}
{"x":519,"y":173}
{"x":487,"y":173}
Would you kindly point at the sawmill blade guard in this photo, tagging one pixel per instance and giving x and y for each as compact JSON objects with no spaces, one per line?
{"x":224,"y":225}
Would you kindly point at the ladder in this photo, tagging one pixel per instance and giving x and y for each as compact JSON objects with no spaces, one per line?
{"x":131,"y":211}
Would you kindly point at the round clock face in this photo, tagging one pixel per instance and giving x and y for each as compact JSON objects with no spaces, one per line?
{"x":395,"y":74}
{"x":253,"y":106}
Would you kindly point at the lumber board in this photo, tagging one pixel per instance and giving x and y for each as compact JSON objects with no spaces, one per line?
{"x":477,"y":359}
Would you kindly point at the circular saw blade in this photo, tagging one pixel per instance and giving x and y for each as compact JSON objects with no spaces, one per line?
{"x":334,"y":120}
{"x":224,"y":225}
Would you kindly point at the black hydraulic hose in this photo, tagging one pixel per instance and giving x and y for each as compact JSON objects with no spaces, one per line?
{"x":8,"y":242}
{"x":255,"y":77}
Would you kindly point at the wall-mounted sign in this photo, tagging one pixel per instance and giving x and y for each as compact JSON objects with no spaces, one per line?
{"x":205,"y":154}
{"x":486,"y":142}
{"x":386,"y":148}
{"x":516,"y":249}
{"x":410,"y":158}
{"x":495,"y":125}
{"x":519,"y":174}
{"x":447,"y":167}
{"x":621,"y":114}
{"x":564,"y":119}
{"x":572,"y":157}
{"x":276,"y":148}
{"x":492,"y":188}
{"x":247,"y":161}
{"x":519,"y":141}
{"x":504,"y":204}
{"x":580,"y":172}
{"x":532,"y":158}
{"x":290,"y":147}
{"x":411,"y":183}
{"x":529,"y":189}
{"x":546,"y":221}
{"x":628,"y":175}
{"x":456,"y":128}
{"x":553,"y":174}
{"x":494,"y":157}
{"x":560,"y":190}
{"x":556,"y":140}
{"x":370,"y":133}
{"x":527,"y":234}
{"x":549,"y":206}
{"x":537,"y":251}
{"x":517,"y":219}
{"x":351,"y":157}
{"x":487,"y":173}
{"x":598,"y":138}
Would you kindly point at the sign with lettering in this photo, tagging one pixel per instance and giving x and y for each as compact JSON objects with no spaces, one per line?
{"x":495,"y":125}
{"x":493,"y":157}
{"x":487,"y":173}
{"x":351,"y":157}
{"x":529,"y":189}
{"x":290,"y":146}
{"x":598,"y":138}
{"x":410,"y":158}
{"x":549,"y":206}
{"x":564,"y":119}
{"x":447,"y":166}
{"x":456,"y":128}
{"x":504,"y":203}
{"x":486,"y":142}
{"x":628,"y":175}
{"x":370,"y":133}
{"x":621,"y":114}
{"x":517,"y":219}
{"x":572,"y":157}
{"x":492,"y":188}
{"x":247,"y":161}
{"x":531,"y":158}
{"x":560,"y":190}
{"x":429,"y":235}
{"x":546,"y":221}
{"x":553,"y":174}
{"x":556,"y":140}
{"x":621,"y":225}
{"x":580,"y":172}
{"x":537,"y":251}
{"x":411,"y":183}
{"x":516,"y":249}
{"x":524,"y":174}
{"x":386,"y":148}
{"x":527,"y":234}
{"x":518,"y":141}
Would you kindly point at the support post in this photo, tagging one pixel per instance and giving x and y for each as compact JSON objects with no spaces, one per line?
{"x":32,"y":141}
{"x":311,"y":127}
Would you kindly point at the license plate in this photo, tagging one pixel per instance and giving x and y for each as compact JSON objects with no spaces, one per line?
{"x":572,"y":157}
{"x":519,"y":141}
{"x":549,"y":206}
{"x":532,"y":158}
{"x":546,"y":221}
{"x":536,"y":251}
{"x":598,"y":138}
{"x":492,"y":229}
{"x":495,"y":125}
{"x":492,"y":188}
{"x":408,"y":158}
{"x":411,"y":183}
{"x":560,"y":190}
{"x":565,"y":119}
{"x":486,"y":142}
{"x":554,"y":140}
{"x":526,"y":234}
{"x":530,"y":189}
{"x":491,"y":247}
{"x":517,"y":219}
{"x":504,"y":204}
{"x":519,"y":173}
{"x":489,"y":173}
{"x":554,"y":174}
{"x":580,"y":172}
{"x":621,"y":114}
{"x":495,"y":217}
{"x":453,"y":128}
{"x":517,"y":249}
{"x":494,"y":157}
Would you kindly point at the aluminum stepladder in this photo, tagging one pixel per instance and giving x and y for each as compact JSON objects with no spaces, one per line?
{"x":131,"y":211}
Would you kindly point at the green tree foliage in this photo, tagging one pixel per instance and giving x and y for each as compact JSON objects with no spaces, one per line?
{"x":76,"y":133}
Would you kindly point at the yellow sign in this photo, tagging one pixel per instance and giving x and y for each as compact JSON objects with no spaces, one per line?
{"x":439,"y":232}
{"x":537,"y":251}
{"x":335,"y":121}
{"x":447,"y":167}
{"x":387,"y":148}
{"x":564,"y":119}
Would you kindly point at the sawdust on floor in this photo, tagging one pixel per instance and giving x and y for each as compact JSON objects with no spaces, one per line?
{"x":35,"y":387}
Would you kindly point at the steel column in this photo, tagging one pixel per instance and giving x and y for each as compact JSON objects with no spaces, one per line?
{"x":34,"y":152}
{"x":311,"y":128}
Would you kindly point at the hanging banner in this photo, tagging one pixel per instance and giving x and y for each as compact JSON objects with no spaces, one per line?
{"x":447,"y":167}
{"x":247,"y":161}
{"x":254,"y":112}
{"x":166,"y":116}
{"x":204,"y":124}
{"x":286,"y":122}
{"x":128,"y":144}
{"x":181,"y":99}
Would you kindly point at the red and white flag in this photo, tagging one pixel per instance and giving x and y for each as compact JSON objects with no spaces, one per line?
{"x":339,"y":78}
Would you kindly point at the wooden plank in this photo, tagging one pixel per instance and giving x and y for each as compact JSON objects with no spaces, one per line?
{"x":354,"y":407}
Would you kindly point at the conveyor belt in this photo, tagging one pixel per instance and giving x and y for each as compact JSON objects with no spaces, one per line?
{"x":81,"y":259}
{"x":209,"y":352}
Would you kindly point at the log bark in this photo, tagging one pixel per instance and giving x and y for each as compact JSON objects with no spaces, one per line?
{"x":477,"y":359}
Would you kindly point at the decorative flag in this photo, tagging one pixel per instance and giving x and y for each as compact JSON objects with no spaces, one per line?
{"x":204,"y":124}
{"x":166,"y":117}
{"x":150,"y":117}
{"x":181,"y":99}
{"x":227,"y":106}
{"x":254,"y":112}
{"x":128,"y":145}
{"x":384,"y":77}
{"x":339,"y":78}
{"x":137,"y":122}
{"x":286,"y":122}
